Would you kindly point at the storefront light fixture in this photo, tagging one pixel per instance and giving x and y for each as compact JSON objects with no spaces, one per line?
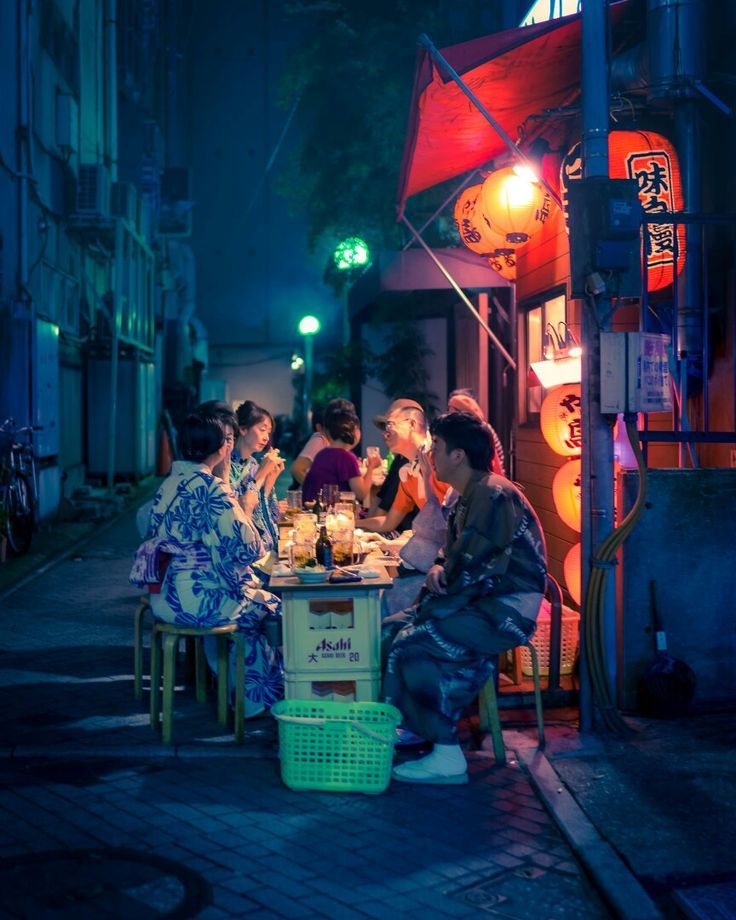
{"x":562,"y":357}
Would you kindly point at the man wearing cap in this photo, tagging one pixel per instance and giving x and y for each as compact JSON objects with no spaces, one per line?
{"x":404,"y":428}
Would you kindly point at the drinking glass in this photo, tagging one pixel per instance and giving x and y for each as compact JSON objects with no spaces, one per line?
{"x":294,"y":499}
{"x":330,"y":494}
{"x":373,"y":451}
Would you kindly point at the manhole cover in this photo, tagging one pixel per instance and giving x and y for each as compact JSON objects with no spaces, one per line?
{"x":107,"y":883}
{"x":510,"y":895}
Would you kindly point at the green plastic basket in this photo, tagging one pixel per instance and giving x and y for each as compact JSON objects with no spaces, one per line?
{"x":337,"y":747}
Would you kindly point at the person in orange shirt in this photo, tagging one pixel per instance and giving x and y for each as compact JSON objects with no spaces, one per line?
{"x":405,"y":432}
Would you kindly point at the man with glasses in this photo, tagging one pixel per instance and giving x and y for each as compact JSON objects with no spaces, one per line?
{"x":404,"y":429}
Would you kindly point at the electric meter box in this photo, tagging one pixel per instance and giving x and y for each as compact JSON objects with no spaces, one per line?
{"x":605,"y":225}
{"x":635,"y":372}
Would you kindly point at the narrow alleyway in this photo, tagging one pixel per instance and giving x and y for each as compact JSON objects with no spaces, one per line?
{"x":100,"y":820}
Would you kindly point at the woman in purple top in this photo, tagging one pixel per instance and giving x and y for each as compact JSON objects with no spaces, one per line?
{"x":335,"y":464}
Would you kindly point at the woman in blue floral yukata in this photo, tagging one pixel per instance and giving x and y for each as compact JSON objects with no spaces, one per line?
{"x":254,"y":481}
{"x":199,"y":552}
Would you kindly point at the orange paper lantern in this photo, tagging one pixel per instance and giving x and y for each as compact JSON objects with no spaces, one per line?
{"x":571,"y":569}
{"x":515,"y":204}
{"x":652,"y":161}
{"x":473,"y":226}
{"x":567,"y":491}
{"x":503,"y":261}
{"x":560,"y":420}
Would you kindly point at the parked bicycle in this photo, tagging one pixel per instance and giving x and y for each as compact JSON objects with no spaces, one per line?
{"x":18,"y":487}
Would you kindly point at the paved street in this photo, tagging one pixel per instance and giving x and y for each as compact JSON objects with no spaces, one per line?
{"x":101,"y":820}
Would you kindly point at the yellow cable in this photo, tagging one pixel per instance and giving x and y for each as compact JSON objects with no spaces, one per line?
{"x":595,"y":597}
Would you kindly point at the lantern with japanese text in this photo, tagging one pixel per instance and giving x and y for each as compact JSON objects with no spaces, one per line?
{"x":572,"y":570}
{"x":560,"y":420}
{"x":515,"y":204}
{"x":652,"y":161}
{"x":503,"y":261}
{"x":567,"y":488}
{"x":472,"y":224}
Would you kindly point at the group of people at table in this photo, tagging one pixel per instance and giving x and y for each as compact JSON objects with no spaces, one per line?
{"x":473,"y":571}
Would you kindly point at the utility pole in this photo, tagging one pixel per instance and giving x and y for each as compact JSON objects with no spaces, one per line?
{"x":597,"y":452}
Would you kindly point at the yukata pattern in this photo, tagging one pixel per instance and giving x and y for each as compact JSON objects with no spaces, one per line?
{"x":193,"y":507}
{"x":441,"y":652}
{"x":266,"y":514}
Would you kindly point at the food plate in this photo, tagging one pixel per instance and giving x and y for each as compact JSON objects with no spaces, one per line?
{"x":311,"y":576}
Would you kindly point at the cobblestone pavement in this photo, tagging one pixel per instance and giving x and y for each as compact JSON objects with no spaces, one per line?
{"x":100,"y":820}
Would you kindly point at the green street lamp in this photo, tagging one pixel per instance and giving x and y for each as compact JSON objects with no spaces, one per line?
{"x":352,"y":254}
{"x":309,"y":326}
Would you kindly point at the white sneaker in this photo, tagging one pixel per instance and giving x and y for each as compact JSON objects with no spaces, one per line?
{"x":417,"y":771}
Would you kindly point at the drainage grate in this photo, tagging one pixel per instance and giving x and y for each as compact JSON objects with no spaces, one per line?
{"x":112,"y":882}
{"x":517,"y":894}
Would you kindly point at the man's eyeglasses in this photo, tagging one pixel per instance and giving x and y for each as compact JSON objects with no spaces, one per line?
{"x":230,"y":439}
{"x":387,"y":426}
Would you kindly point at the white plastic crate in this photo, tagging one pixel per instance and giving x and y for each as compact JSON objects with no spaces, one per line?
{"x":364,"y":687}
{"x":570,"y":641}
{"x":329,"y":632}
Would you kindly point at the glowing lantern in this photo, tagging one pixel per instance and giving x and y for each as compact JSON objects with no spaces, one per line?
{"x":515,"y":203}
{"x":571,"y":569}
{"x":503,"y":261}
{"x":567,"y":488}
{"x":560,"y":420}
{"x":652,"y":161}
{"x":472,"y":224}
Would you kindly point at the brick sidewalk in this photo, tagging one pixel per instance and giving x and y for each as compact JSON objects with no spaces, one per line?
{"x":84,"y":772}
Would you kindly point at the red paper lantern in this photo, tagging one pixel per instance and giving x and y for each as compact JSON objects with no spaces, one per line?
{"x":515,"y":204}
{"x":572,"y":570}
{"x":652,"y":161}
{"x":473,"y":226}
{"x":567,"y":490}
{"x":560,"y":420}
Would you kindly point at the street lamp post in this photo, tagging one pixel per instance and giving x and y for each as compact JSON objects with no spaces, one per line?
{"x":309,"y":326}
{"x":351,"y":254}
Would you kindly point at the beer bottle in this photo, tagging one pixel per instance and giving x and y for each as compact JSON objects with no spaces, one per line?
{"x":323,"y":548}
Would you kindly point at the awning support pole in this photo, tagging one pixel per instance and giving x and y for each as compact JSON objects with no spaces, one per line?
{"x":461,"y":294}
{"x":456,"y":191}
{"x":426,"y":41}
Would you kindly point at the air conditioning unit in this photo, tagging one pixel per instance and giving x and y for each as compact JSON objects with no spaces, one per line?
{"x":175,"y":217}
{"x":124,"y":201}
{"x":93,"y":190}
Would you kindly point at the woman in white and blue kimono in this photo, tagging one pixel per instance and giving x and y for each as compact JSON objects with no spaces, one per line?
{"x":198,"y":556}
{"x":254,"y":481}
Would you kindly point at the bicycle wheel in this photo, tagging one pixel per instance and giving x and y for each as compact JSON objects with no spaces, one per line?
{"x":20,"y":514}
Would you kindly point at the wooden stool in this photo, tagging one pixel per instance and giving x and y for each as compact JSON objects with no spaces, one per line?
{"x":164,"y":641}
{"x":143,"y":608}
{"x":490,"y":719}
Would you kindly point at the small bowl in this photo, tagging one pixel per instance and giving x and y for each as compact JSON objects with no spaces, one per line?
{"x":311,"y":576}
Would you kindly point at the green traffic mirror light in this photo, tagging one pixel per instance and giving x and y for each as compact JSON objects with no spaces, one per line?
{"x":309,"y":325}
{"x":352,"y":253}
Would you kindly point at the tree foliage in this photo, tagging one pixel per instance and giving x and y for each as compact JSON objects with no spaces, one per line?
{"x":354,"y":75}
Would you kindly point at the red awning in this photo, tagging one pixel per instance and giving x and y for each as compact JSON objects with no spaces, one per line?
{"x":515,"y":74}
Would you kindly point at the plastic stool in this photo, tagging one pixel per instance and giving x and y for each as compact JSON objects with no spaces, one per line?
{"x":164,"y":641}
{"x":141,"y":610}
{"x":490,"y":719}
